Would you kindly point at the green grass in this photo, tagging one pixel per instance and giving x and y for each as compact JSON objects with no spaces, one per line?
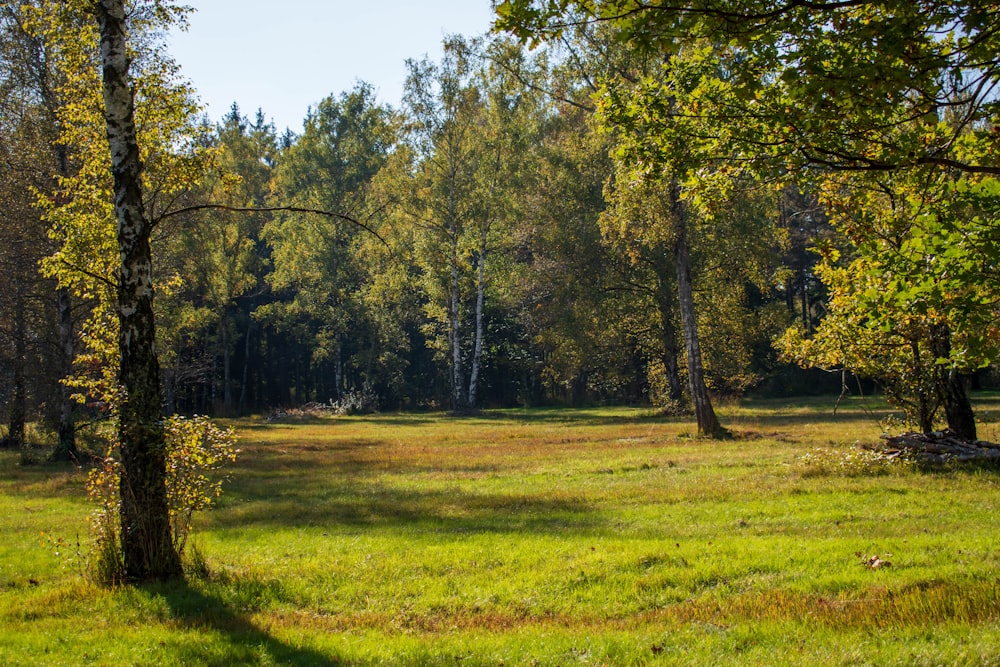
{"x":537,"y":537}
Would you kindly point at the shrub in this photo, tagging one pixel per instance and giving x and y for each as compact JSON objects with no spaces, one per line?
{"x":195,"y":448}
{"x":362,"y":402}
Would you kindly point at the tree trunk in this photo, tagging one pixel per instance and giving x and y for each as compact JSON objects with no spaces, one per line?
{"x":668,"y":332}
{"x":227,"y":379}
{"x":338,"y":369}
{"x":455,"y":323}
{"x":926,"y":404}
{"x":477,"y":350}
{"x":209,"y":386}
{"x":807,"y":323}
{"x":16,"y":437}
{"x":147,"y":547}
{"x":66,"y":447}
{"x":951,"y":387}
{"x":241,"y":405}
{"x":708,"y":423}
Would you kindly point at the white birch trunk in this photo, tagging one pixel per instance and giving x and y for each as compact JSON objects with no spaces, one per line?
{"x":147,"y":547}
{"x":477,"y":350}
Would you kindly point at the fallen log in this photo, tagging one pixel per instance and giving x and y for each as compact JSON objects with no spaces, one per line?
{"x":938,"y":446}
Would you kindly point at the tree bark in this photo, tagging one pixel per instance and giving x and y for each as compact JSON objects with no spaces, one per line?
{"x":455,"y":321}
{"x":227,"y":379}
{"x":926,"y":405}
{"x":668,"y":332}
{"x":807,"y":323}
{"x":951,"y":387}
{"x":66,"y":448}
{"x":241,"y":405}
{"x":477,"y":349}
{"x":338,"y":369}
{"x":147,"y":546}
{"x":708,"y":423}
{"x":16,"y":437}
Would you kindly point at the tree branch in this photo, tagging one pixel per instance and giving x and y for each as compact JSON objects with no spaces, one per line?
{"x":271,"y":209}
{"x":90,"y":274}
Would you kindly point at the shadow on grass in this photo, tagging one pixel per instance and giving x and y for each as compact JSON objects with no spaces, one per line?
{"x":43,"y":478}
{"x":254,"y":425}
{"x":841,"y":416}
{"x":367,"y":504}
{"x":596,"y":416}
{"x":811,"y":410}
{"x":342,"y":484}
{"x":976,"y":467}
{"x":244,"y":642}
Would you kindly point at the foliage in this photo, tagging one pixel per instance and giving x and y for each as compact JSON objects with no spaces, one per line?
{"x":213,"y":262}
{"x":196,"y":448}
{"x":471,"y":130}
{"x":321,"y":267}
{"x":196,"y":452}
{"x":80,"y":209}
{"x":566,"y":252}
{"x":880,"y":101}
{"x":569,"y":293}
{"x":924,"y":245}
{"x":869,"y":86}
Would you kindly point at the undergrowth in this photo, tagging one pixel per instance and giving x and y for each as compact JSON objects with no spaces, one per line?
{"x":197,"y":452}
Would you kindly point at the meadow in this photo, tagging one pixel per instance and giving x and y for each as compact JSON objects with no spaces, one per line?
{"x":605,"y":536}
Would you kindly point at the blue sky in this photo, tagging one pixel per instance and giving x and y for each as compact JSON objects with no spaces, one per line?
{"x":285,"y":56}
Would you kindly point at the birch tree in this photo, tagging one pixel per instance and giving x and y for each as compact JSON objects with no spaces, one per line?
{"x":442,"y":102}
{"x":147,"y":546}
{"x":127,"y":117}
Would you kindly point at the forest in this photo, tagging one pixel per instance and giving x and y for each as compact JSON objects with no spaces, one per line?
{"x":597,"y":203}
{"x":470,"y":267}
{"x":573,"y":223}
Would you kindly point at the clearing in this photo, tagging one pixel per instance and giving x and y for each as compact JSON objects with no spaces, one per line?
{"x":537,"y":537}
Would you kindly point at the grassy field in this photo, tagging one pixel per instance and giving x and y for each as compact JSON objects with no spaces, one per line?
{"x":538,"y":537}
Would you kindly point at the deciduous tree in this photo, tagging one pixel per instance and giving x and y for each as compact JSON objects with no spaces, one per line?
{"x":125,"y":115}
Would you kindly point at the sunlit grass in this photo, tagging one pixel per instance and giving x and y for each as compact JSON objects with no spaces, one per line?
{"x":548,"y":537}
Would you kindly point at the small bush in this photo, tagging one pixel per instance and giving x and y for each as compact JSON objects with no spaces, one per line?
{"x":195,"y":449}
{"x":105,"y":564}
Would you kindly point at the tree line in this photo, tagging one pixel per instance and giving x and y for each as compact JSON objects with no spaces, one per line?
{"x":605,"y":201}
{"x":457,"y":252}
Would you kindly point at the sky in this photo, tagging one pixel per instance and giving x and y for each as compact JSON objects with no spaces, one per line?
{"x":284,"y":57}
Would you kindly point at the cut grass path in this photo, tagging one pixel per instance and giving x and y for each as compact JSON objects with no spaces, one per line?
{"x":537,"y":537}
